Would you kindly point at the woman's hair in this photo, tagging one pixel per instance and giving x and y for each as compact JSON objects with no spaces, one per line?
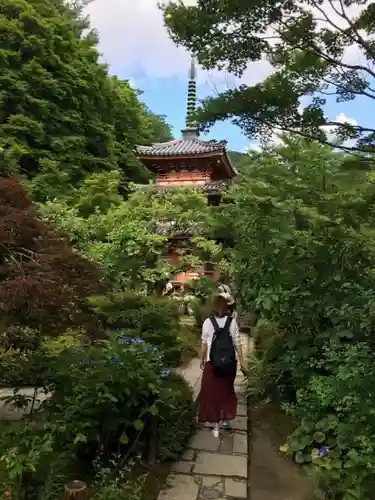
{"x":219,"y":306}
{"x":232,"y":307}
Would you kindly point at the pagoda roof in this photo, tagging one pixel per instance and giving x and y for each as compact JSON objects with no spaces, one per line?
{"x":187,"y":148}
{"x":211,"y":187}
{"x":183,"y":147}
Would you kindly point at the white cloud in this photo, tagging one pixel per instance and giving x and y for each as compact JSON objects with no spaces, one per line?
{"x":342,"y":118}
{"x":135,"y":44}
{"x":331,"y":131}
{"x":134,"y":41}
{"x":276,"y":137}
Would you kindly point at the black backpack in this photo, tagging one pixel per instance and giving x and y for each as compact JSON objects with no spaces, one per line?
{"x":222,"y":352}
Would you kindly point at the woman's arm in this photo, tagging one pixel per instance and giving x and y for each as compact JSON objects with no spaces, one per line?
{"x":204,"y":345}
{"x":203,"y":354}
{"x":239,"y":352}
{"x":235,"y":332}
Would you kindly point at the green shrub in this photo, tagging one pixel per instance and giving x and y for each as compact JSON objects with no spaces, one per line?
{"x":336,"y":436}
{"x":19,"y":369}
{"x":100,"y":396}
{"x":199,"y":309}
{"x":34,"y":367}
{"x":133,"y":311}
{"x":59,"y":344}
{"x":177,"y":417}
{"x":155,"y":319}
{"x":202,"y":288}
{"x":188,"y":339}
{"x":98,"y":391}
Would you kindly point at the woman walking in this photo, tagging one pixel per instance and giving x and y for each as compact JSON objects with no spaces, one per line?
{"x":218,"y":400}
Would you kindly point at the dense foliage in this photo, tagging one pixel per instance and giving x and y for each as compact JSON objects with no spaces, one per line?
{"x":304,"y":219}
{"x":320,"y":51}
{"x":44,"y":284}
{"x":129,"y":239}
{"x":62,"y":117}
{"x":153,"y":318}
{"x":101,"y":402}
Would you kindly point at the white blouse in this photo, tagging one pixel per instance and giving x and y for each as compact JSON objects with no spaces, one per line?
{"x":208,"y":331}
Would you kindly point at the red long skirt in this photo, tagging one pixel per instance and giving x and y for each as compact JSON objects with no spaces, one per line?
{"x":217,"y":400}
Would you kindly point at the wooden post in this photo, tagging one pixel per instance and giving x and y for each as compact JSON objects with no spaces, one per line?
{"x":76,"y":491}
{"x":151,"y":451}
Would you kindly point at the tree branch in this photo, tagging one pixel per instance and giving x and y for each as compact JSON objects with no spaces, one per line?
{"x":358,"y":128}
{"x":359,"y":38}
{"x":345,"y":89}
{"x":291,"y":130}
{"x":314,"y":49}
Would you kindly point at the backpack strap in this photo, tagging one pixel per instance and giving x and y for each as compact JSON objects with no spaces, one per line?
{"x":226,"y":326}
{"x":215,"y":324}
{"x":228,"y":322}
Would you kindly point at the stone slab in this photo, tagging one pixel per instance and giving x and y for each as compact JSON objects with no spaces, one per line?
{"x":179,"y":487}
{"x":235,"y":488}
{"x":213,"y":464}
{"x":241,"y":400}
{"x":192,"y":373}
{"x":213,"y":481}
{"x":182,"y":467}
{"x":240,"y":443}
{"x":239,"y":424}
{"x":188,"y":455}
{"x":241,"y":410}
{"x":204,"y":440}
{"x":210,"y":494}
{"x":226,"y":445}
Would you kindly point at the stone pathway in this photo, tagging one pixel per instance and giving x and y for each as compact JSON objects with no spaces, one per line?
{"x":213,"y":469}
{"x":10,"y":412}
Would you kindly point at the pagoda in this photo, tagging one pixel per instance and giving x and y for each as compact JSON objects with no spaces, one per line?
{"x":189,"y":161}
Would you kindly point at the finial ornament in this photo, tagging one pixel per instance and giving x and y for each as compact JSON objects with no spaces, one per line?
{"x":191,"y":130}
{"x":193,"y":69}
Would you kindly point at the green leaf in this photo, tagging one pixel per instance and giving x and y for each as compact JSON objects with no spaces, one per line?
{"x":124,"y":439}
{"x":138,"y":425}
{"x":319,"y":437}
{"x":80,"y":438}
{"x":299,"y":457}
{"x":154,"y":410}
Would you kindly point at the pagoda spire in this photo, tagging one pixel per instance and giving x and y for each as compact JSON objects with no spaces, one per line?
{"x":191,"y":130}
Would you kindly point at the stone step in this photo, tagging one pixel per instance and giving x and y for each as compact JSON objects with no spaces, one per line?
{"x":211,"y":468}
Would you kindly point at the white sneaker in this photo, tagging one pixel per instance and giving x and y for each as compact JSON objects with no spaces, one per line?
{"x":216,"y":433}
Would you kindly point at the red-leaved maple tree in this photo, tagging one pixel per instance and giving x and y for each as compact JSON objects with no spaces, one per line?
{"x":44,"y":283}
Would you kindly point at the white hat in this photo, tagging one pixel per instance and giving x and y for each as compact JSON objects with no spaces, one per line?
{"x":228,"y":297}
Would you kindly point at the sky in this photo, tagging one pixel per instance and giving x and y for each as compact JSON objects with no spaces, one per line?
{"x":135,"y":44}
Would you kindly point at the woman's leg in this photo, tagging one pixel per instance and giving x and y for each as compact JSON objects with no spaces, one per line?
{"x":216,"y":430}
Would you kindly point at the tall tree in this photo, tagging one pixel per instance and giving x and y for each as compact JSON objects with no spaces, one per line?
{"x":324,"y":50}
{"x":61,"y":116}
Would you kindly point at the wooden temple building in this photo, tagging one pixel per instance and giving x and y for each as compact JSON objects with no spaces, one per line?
{"x":190,"y":161}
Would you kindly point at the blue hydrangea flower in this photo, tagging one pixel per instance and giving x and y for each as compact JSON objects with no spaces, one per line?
{"x":125,"y":340}
{"x":137,"y":340}
{"x":322,"y":451}
{"x":148,"y":349}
